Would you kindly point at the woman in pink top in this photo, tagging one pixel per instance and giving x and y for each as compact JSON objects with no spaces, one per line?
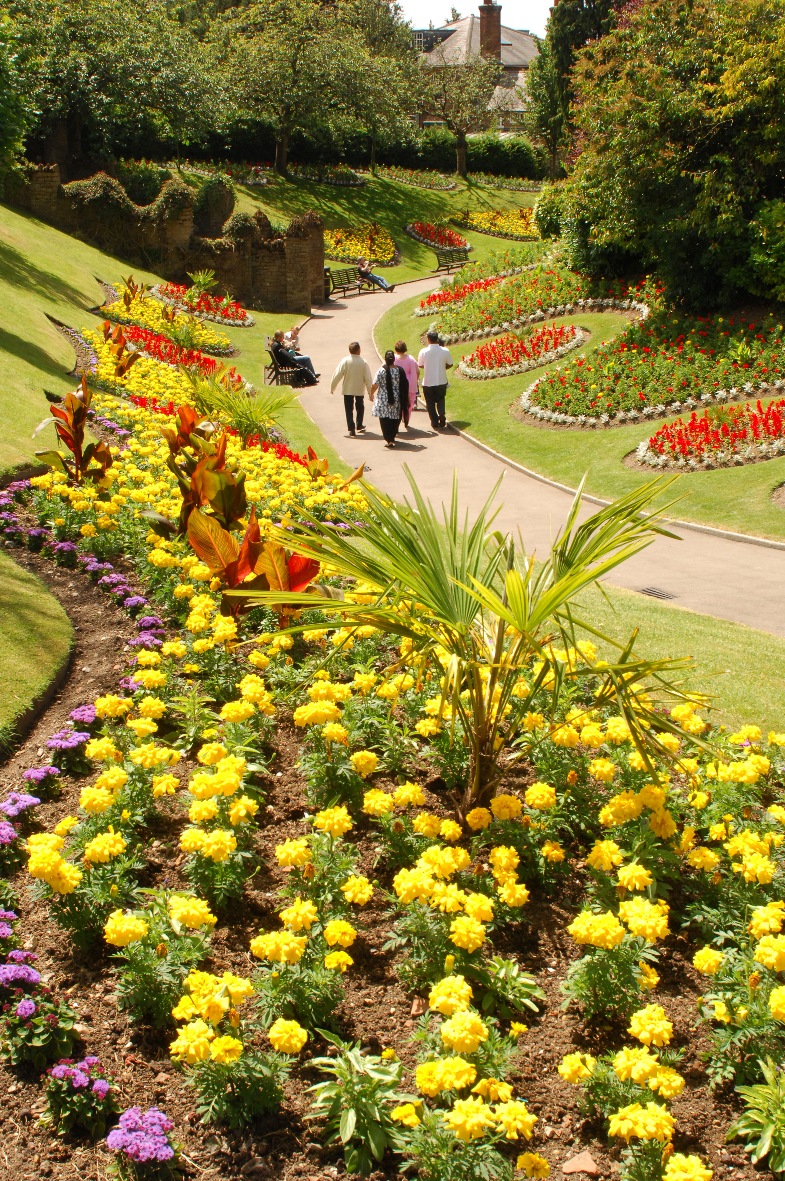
{"x":409,"y":366}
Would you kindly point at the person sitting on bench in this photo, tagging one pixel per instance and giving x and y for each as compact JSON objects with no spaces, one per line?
{"x":288,"y":359}
{"x":365,"y":272}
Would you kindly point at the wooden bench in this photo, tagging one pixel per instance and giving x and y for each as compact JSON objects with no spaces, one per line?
{"x":275,"y":374}
{"x":450,"y":260}
{"x":343,"y":280}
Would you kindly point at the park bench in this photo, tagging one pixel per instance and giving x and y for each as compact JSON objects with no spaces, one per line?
{"x":450,"y":260}
{"x":275,"y":374}
{"x":347,"y":278}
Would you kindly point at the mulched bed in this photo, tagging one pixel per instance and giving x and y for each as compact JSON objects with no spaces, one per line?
{"x":376,"y":1011}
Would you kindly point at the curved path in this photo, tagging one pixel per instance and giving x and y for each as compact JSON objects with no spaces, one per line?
{"x":734,"y":580}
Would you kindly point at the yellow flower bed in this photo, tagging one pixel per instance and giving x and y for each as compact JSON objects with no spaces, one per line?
{"x":146,"y":377}
{"x":510,"y":223}
{"x":370,"y":241}
{"x":149,"y":313}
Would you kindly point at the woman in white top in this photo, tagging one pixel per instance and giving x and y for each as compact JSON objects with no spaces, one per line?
{"x":389,"y":393}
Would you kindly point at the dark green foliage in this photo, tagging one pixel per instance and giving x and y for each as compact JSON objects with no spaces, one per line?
{"x":142,"y":180}
{"x":213,"y":206}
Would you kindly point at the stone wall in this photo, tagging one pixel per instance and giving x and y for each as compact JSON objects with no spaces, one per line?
{"x":259,"y":267}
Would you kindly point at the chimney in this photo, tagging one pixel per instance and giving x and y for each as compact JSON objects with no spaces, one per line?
{"x":491,"y":30}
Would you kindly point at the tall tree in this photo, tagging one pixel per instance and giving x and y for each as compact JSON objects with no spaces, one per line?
{"x":545,"y":112}
{"x":459,"y":96}
{"x":14,"y":112}
{"x":571,"y":25}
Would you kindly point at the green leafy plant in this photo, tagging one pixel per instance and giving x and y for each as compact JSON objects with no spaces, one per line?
{"x":38,"y":1037}
{"x":357,"y":1103}
{"x":88,"y":462}
{"x":762,"y":1124}
{"x":608,"y":982}
{"x":236,"y":1093}
{"x":436,"y":1153}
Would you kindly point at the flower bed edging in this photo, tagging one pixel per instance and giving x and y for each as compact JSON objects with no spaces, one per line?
{"x":569,"y":309}
{"x":248,"y":322}
{"x":434,"y":245}
{"x":580,"y":338}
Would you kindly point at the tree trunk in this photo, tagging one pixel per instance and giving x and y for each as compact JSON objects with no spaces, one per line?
{"x":373,"y":153}
{"x":282,"y":153}
{"x":460,"y":154}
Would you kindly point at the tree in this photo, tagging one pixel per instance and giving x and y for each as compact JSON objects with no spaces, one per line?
{"x":283,"y":57}
{"x":545,"y":113}
{"x":14,"y":113}
{"x":573,"y":24}
{"x":459,"y":96}
{"x":679,"y":113}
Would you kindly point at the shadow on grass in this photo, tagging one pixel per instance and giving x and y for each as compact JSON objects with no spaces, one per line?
{"x":19,"y":271}
{"x":32,"y":353}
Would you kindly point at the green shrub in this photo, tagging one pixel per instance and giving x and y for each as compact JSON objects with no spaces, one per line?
{"x":142,"y":180}
{"x":549,"y":210}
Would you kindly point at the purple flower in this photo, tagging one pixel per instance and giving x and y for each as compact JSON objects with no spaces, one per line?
{"x":142,"y":1136}
{"x":90,"y":1061}
{"x":129,"y":685}
{"x":8,"y":916}
{"x":17,"y":975}
{"x":135,"y":601}
{"x":21,"y":957}
{"x":6,"y":931}
{"x":111,"y":580}
{"x":26,"y":1009}
{"x":147,"y":622}
{"x":100,"y":1088}
{"x":67,"y":739}
{"x":39,"y":774}
{"x":18,"y":802}
{"x":83,"y":715}
{"x":61,"y":1071}
{"x":8,"y":833}
{"x":145,"y":640}
{"x":79,"y":1080}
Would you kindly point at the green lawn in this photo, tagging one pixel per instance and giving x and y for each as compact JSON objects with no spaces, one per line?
{"x":35,"y":642}
{"x":391,"y":204}
{"x":733,"y":498}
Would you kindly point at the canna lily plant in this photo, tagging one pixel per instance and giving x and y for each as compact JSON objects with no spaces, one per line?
{"x":89,"y":462}
{"x":490,"y":622}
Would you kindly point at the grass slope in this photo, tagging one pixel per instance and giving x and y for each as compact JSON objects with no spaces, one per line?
{"x":35,"y":641}
{"x":738,"y":499}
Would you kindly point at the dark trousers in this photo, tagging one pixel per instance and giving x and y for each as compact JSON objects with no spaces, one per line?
{"x":389,"y":428}
{"x":434,"y":403}
{"x":354,"y":406}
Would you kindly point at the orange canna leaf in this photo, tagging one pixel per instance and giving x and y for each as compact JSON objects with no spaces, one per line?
{"x":302,"y":571}
{"x":211,"y":543}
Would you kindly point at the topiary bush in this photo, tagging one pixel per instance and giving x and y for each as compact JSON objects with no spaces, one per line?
{"x":511,"y":155}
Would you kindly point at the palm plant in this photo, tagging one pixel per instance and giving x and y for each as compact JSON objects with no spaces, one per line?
{"x":251,"y":413}
{"x":463,"y":599}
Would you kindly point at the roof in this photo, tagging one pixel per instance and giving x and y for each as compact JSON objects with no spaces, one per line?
{"x":519,"y":48}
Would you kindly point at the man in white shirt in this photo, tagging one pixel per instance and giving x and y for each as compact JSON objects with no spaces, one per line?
{"x":434,"y":361}
{"x":354,"y":374}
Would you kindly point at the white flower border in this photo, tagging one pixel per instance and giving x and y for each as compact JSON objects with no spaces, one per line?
{"x":248,"y":322}
{"x":580,"y":337}
{"x":566,"y":309}
{"x":434,"y":245}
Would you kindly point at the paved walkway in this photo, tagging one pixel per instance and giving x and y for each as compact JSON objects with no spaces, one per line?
{"x":732,"y":580}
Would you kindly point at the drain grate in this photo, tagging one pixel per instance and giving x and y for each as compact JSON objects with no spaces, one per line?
{"x":656,"y":592}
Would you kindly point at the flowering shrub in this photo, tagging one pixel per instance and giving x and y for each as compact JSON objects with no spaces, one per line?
{"x":508,"y":223}
{"x":79,"y":1097}
{"x":142,"y":1145}
{"x":370,"y":241}
{"x":717,"y":437}
{"x":35,"y":1028}
{"x":202,"y":304}
{"x":515,"y":354}
{"x":437,"y":235}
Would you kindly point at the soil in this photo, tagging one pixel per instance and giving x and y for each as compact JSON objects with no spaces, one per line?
{"x":376,"y":1011}
{"x":778,"y":496}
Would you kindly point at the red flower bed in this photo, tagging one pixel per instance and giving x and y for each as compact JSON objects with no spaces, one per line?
{"x":449,"y":295}
{"x":727,"y":429}
{"x":439,"y":235}
{"x":515,"y":350}
{"x":162,"y":349}
{"x":206,"y":305}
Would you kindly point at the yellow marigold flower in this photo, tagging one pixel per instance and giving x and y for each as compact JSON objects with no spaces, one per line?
{"x":647,"y":977}
{"x":767,"y":920}
{"x":225,"y":1049}
{"x":707,"y":960}
{"x":662,"y":824}
{"x":120,"y":928}
{"x":771,"y":952}
{"x":211,"y":753}
{"x":566,"y":736}
{"x":504,"y":861}
{"x":703,"y":858}
{"x":540,"y":796}
{"x":686,"y":1168}
{"x":287,"y":1036}
{"x":514,"y":1119}
{"x":777,"y":1002}
{"x":621,"y":808}
{"x":293,"y":852}
{"x":478,"y":818}
{"x":426,"y":824}
{"x":648,"y":919}
{"x":667,"y":1083}
{"x":164,"y":785}
{"x":191,"y":912}
{"x":357,"y":890}
{"x":219,"y":845}
{"x":469,"y":1118}
{"x":103,"y":749}
{"x":406,"y":1114}
{"x":552,"y":851}
{"x":597,"y":930}
{"x":479,"y":906}
{"x":506,"y":807}
{"x":493,"y":1089}
{"x":634,"y":876}
{"x":651,"y":1122}
{"x":602,"y":770}
{"x":449,"y":830}
{"x":339,"y":932}
{"x":339,"y":960}
{"x":105,"y":847}
{"x":699,"y":799}
{"x":64,"y":826}
{"x":237,"y":711}
{"x":112,"y":778}
{"x":532,"y":1164}
{"x":335,"y":732}
{"x":651,"y":1026}
{"x":112,"y":706}
{"x":451,"y":995}
{"x":334,"y":821}
{"x":574,"y":1068}
{"x":364,"y":762}
{"x":377,"y":802}
{"x":636,"y":1063}
{"x":467,"y":933}
{"x":242,"y":810}
{"x":301,"y":914}
{"x":464,"y":1031}
{"x":605,"y":856}
{"x":279,"y":946}
{"x":142,"y":727}
{"x":409,"y":795}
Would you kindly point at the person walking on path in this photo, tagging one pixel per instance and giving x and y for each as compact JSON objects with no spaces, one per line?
{"x":389,"y":392}
{"x":406,"y":362}
{"x":354,"y":375}
{"x":435,"y":360}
